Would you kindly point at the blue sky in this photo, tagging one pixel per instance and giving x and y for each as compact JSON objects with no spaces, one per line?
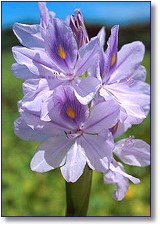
{"x":122,"y":13}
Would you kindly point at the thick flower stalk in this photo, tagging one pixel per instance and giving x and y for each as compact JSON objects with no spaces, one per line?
{"x":77,"y":99}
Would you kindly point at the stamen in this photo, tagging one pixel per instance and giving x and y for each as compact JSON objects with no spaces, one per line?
{"x":61,"y":52}
{"x":70,"y":112}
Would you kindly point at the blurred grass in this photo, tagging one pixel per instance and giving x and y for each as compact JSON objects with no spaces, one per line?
{"x":26,"y":193}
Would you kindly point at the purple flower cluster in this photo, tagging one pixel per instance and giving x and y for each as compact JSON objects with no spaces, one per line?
{"x":78,"y":97}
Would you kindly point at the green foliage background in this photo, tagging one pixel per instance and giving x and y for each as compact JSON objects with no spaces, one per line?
{"x":26,"y":193}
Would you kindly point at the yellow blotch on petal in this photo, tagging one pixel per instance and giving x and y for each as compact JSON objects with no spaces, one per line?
{"x":70,"y":112}
{"x":113,"y":60}
{"x":61,"y":52}
{"x":115,"y":127}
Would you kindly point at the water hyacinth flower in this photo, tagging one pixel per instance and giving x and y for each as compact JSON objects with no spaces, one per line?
{"x":74,"y":136}
{"x":122,"y":78}
{"x":77,"y":99}
{"x":132,"y":152}
{"x":61,"y":60}
{"x":32,"y":36}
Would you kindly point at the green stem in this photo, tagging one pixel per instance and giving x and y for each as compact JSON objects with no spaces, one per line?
{"x":77,"y":194}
